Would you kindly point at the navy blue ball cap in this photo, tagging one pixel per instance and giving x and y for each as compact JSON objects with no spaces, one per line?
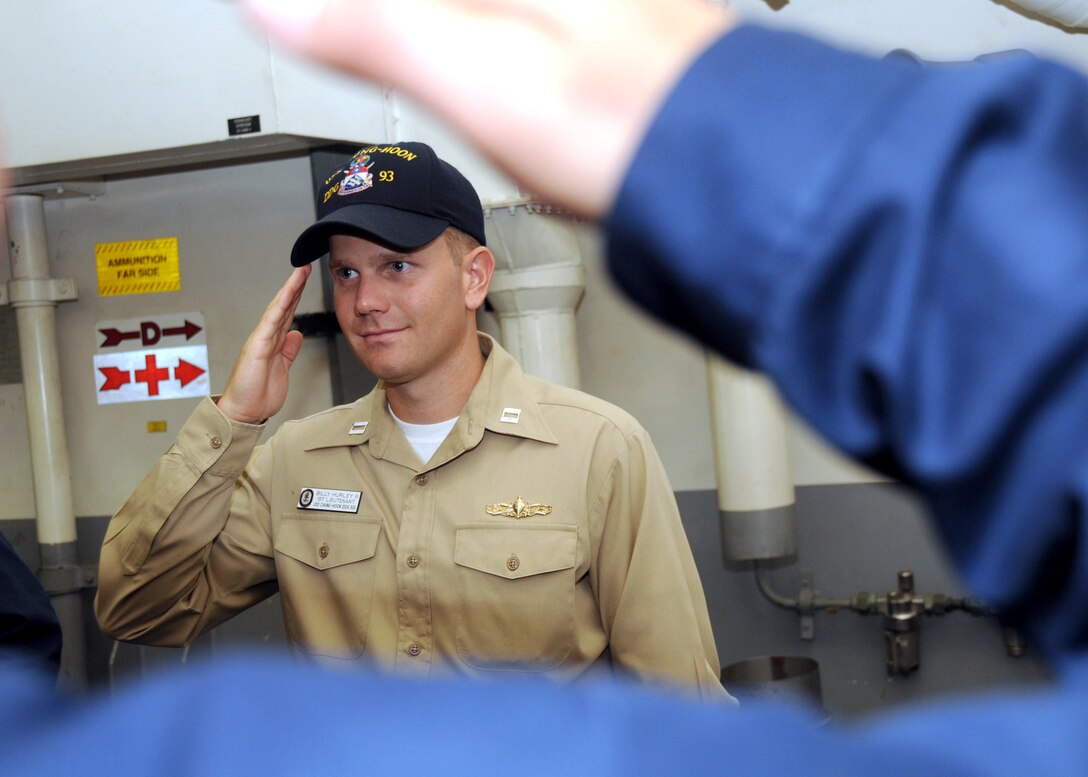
{"x":400,"y":195}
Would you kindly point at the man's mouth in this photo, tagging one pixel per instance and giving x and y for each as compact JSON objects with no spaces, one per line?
{"x":380,"y":335}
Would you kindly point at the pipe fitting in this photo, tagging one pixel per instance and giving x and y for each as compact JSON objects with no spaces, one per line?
{"x":31,"y":292}
{"x":901,"y":621}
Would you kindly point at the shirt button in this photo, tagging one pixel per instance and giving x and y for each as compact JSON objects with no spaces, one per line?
{"x":421,"y":480}
{"x":415,"y":649}
{"x":323,"y":551}
{"x":216,"y":441}
{"x":513,"y":563}
{"x":413,"y":561}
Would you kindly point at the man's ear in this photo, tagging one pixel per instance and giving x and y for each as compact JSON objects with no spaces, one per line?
{"x":478,"y":266}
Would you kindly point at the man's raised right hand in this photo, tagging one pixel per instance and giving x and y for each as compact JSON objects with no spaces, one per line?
{"x":257,"y":387}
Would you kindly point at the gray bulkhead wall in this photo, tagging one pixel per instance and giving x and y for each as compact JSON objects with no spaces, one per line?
{"x":235,"y":224}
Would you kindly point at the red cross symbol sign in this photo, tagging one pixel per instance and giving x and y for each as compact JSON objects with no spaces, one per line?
{"x":152,"y":374}
{"x":141,"y":375}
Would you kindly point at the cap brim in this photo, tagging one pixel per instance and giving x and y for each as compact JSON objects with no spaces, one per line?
{"x":398,"y":229}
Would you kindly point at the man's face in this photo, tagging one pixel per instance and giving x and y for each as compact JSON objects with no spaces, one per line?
{"x":405,"y":315}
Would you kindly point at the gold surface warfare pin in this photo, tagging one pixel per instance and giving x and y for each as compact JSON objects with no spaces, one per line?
{"x":519,"y":508}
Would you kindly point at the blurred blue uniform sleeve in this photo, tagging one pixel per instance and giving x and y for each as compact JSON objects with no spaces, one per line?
{"x":904,"y":249}
{"x":251,"y":716}
{"x":29,"y":628}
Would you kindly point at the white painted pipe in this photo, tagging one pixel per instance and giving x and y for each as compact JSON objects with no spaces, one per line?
{"x":538,"y":282}
{"x":535,"y":308}
{"x":752,"y":463}
{"x":35,"y":315}
{"x":1071,"y":13}
{"x":34,"y":295}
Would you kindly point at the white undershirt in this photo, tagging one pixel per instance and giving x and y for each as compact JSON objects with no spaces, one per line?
{"x":424,"y":438}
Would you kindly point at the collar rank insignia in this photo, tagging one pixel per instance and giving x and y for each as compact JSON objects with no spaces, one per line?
{"x":359,"y":427}
{"x":519,"y":508}
{"x":510,"y":415}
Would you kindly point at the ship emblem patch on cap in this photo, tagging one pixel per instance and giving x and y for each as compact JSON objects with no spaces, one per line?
{"x":357,"y":177}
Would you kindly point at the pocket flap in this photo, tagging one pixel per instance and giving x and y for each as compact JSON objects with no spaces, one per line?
{"x":323,"y":543}
{"x":516,"y":551}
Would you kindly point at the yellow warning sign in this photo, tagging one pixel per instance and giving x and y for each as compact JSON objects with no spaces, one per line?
{"x":138,"y":266}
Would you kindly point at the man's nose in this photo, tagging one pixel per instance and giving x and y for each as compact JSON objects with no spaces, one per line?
{"x":370,"y":297}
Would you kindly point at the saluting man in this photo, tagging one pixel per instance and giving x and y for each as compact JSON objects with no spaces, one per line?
{"x":463,"y":517}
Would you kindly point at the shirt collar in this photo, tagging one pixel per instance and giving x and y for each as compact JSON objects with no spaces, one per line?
{"x":502,"y":402}
{"x":345,"y":425}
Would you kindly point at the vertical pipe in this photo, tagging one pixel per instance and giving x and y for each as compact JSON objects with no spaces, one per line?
{"x":36,"y":320}
{"x":535,"y":308}
{"x":751,"y":456}
{"x":545,"y":343}
{"x":35,"y":316}
{"x":538,"y":282}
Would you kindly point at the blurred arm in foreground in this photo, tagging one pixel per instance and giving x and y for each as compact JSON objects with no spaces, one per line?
{"x":901,"y":248}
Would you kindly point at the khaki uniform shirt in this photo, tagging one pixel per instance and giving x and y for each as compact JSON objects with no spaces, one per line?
{"x":542,"y":536}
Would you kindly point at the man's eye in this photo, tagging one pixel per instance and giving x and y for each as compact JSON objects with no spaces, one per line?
{"x":399,"y":267}
{"x":344,"y":273}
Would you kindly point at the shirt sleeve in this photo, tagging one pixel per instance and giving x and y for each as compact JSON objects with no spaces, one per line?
{"x":902,"y":249}
{"x":191,"y":547}
{"x":648,"y":589}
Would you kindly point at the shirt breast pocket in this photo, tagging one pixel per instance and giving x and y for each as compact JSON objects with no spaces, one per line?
{"x":326,"y":576}
{"x":515,"y":595}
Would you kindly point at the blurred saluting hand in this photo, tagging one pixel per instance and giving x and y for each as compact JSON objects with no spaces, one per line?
{"x":558,"y":93}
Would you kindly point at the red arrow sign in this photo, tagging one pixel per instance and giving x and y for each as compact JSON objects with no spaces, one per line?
{"x":139,"y":375}
{"x":115,"y":378}
{"x":149,"y":333}
{"x":152,"y":374}
{"x":186,"y":372}
{"x":116,"y":336}
{"x":188,"y":330}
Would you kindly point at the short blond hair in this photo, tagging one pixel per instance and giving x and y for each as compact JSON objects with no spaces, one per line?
{"x":459,"y":243}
